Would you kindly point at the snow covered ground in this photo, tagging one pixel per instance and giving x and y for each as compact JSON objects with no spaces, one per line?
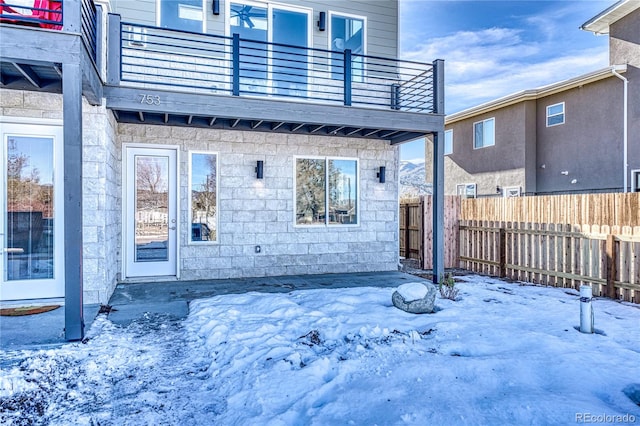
{"x":501,"y":354}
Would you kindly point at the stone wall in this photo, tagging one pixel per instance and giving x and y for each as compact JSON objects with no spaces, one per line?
{"x":101,"y":174}
{"x":261,"y":212}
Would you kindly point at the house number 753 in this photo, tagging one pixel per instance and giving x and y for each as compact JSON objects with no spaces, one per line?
{"x":149,"y":99}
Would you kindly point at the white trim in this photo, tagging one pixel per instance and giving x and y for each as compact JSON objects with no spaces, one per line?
{"x":464,"y":186}
{"x":563,"y":113}
{"x":204,"y":15}
{"x":474,"y":133}
{"x":450,"y":131}
{"x":44,"y":288}
{"x":511,"y":191}
{"x":326,"y":223}
{"x":124,"y":187}
{"x":635,"y":175}
{"x":190,"y":218}
{"x":365,"y":43}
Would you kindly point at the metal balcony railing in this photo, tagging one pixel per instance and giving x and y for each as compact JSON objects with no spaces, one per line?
{"x":43,"y":14}
{"x":153,"y":57}
{"x":89,"y":26}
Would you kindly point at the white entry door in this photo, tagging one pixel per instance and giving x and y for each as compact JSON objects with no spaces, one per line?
{"x":151,"y":220}
{"x":32,"y":211}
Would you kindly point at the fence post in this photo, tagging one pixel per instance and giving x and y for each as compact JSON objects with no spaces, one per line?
{"x":421,"y":233}
{"x":502,"y":252}
{"x":236,"y":65}
{"x":612,"y":263}
{"x":347,"y":77}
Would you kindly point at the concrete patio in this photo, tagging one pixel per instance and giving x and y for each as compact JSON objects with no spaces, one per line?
{"x":169,"y":300}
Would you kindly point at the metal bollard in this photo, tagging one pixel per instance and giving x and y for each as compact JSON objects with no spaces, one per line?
{"x":586,"y":312}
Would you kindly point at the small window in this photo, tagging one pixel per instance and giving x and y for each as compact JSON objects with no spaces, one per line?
{"x":203,"y":197}
{"x":186,"y":15}
{"x":555,"y":114}
{"x":484,"y":133}
{"x":635,"y":180}
{"x":448,"y":142}
{"x":511,"y":191}
{"x":326,"y":191}
{"x":466,"y":190}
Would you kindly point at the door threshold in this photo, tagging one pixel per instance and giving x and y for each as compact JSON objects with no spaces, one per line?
{"x":135,"y":280}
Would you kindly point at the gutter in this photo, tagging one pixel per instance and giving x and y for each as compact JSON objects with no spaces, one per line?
{"x":625,"y":141}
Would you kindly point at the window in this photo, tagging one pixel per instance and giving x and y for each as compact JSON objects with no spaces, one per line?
{"x":555,"y":114}
{"x":347,"y":32}
{"x":511,"y":191}
{"x":635,"y":180}
{"x":466,"y":190}
{"x":265,"y":69}
{"x":484,"y":133}
{"x":186,"y":15}
{"x":448,"y":142}
{"x":326,"y":191}
{"x":203,"y":197}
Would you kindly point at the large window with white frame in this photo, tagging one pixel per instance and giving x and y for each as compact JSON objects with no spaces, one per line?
{"x":555,"y":114}
{"x":326,"y":191}
{"x":347,"y":32}
{"x":448,"y":142}
{"x":203,"y":197}
{"x":271,"y":69}
{"x":187,"y":15}
{"x":484,"y":133}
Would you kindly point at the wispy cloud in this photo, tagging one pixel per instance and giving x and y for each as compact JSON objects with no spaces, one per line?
{"x":489,"y":63}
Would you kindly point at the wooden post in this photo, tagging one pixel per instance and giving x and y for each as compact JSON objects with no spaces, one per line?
{"x":611,"y":265}
{"x":502,"y":252}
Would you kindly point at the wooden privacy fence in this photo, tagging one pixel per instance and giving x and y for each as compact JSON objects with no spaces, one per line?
{"x":411,"y":229}
{"x":558,"y":240}
{"x":607,"y":257}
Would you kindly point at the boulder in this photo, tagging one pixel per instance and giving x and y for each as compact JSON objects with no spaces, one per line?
{"x":415,"y":298}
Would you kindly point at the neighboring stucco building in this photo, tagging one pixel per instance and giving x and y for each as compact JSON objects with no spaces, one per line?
{"x":197,"y":140}
{"x":567,"y":137}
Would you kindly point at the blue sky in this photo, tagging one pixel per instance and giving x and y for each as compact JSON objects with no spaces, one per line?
{"x":494,"y":48}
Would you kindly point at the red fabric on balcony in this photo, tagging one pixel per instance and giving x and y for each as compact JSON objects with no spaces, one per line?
{"x":51,"y":11}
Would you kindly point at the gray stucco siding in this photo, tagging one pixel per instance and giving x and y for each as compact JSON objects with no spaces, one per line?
{"x":588,"y":145}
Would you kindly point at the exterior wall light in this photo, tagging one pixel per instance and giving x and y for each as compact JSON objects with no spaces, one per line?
{"x":215,"y":7}
{"x":322,"y":21}
{"x":260,"y":169}
{"x":381,"y":174}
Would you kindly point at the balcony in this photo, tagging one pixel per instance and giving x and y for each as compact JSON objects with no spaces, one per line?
{"x":36,"y":40}
{"x":163,"y":76}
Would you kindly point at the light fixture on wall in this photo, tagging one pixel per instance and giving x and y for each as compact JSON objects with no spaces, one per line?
{"x":565,"y":172}
{"x":216,"y":7}
{"x":381,"y":174}
{"x":260,"y":169}
{"x":322,"y":21}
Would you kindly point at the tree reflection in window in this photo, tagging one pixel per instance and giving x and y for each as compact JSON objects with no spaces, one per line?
{"x":204,"y":205}
{"x":326,"y":185}
{"x":30,"y":209}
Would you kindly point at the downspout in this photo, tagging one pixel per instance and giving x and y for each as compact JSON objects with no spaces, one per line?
{"x":624,"y":129}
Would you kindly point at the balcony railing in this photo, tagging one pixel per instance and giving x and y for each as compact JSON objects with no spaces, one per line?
{"x":50,"y":15}
{"x":153,"y":57}
{"x":43,"y":14}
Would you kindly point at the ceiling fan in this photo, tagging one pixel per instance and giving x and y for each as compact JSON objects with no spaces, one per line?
{"x":244,"y":13}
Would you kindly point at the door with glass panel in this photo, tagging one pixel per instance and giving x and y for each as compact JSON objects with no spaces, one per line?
{"x":282,"y":67}
{"x":31,"y":223}
{"x":151,"y":222}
